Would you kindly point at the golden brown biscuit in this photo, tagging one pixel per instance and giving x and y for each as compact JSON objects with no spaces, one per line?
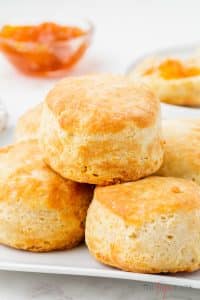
{"x":149,"y":226}
{"x":28,"y":124}
{"x":101,"y":129}
{"x":39,"y":210}
{"x":175,"y":81}
{"x":182,"y":149}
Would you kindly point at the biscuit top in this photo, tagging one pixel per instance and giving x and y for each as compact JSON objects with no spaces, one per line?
{"x":28,"y":124}
{"x":141,"y":201}
{"x":24,"y":176}
{"x":102,"y":104}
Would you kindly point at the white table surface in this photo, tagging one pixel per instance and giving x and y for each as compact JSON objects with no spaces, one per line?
{"x":125,"y":30}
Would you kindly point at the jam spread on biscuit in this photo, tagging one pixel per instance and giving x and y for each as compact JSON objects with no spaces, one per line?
{"x":173,"y":69}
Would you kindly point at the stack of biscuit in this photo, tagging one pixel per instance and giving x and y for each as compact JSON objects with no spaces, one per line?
{"x":96,"y":141}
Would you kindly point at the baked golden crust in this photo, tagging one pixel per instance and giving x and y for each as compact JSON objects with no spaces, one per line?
{"x":101,"y":104}
{"x":39,"y":210}
{"x":175,"y":81}
{"x":148,"y":197}
{"x":28,"y":124}
{"x":139,"y":226}
{"x":101,"y":129}
{"x":182,"y":149}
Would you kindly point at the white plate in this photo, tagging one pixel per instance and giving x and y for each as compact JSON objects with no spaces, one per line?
{"x":182,"y":51}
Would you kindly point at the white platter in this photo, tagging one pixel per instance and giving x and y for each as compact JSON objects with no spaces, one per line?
{"x":78,"y":261}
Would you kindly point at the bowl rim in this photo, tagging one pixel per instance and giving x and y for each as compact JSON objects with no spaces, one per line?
{"x":89,"y":31}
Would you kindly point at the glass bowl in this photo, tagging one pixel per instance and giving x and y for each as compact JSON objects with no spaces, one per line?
{"x":46,"y":57}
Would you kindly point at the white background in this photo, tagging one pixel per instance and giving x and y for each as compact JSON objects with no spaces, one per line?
{"x":124,"y":31}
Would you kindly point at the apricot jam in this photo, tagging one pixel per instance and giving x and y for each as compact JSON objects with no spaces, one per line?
{"x":174,"y":69}
{"x":44,"y":49}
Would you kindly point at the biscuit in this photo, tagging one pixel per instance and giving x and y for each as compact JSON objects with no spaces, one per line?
{"x":101,"y":129}
{"x":28,"y":124}
{"x":182,"y":149}
{"x":39,"y":210}
{"x":148,"y":226}
{"x":175,"y":81}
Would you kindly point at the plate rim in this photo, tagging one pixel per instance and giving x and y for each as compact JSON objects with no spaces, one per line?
{"x":101,"y":273}
{"x":189,"y":48}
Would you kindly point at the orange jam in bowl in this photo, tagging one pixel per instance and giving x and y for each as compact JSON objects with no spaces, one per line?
{"x":47,"y":49}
